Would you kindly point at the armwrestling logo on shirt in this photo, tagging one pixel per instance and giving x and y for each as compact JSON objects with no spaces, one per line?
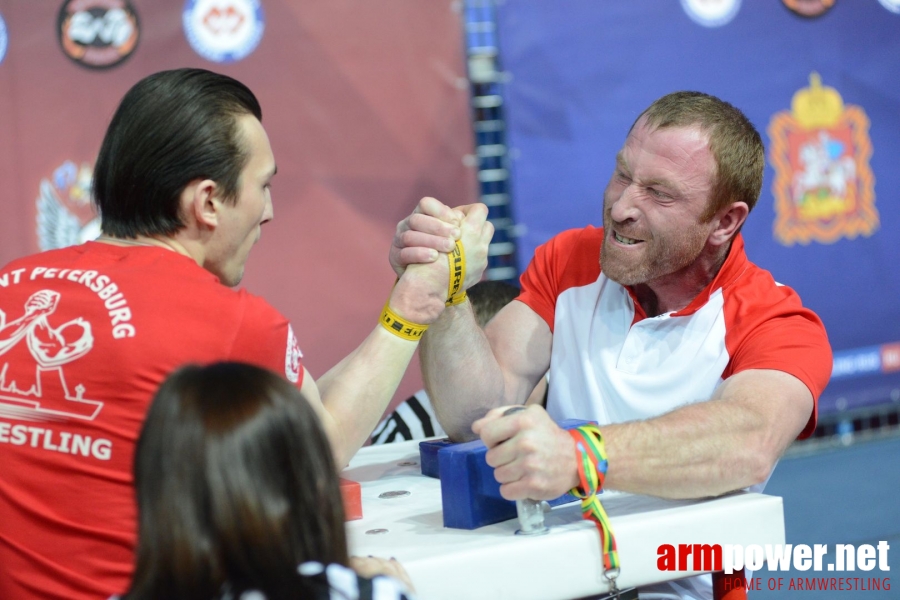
{"x":824,"y":188}
{"x":34,"y":349}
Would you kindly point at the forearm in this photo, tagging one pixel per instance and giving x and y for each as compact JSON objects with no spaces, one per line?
{"x":461,"y":374}
{"x":357,"y":390}
{"x":727,"y":443}
{"x":699,"y":450}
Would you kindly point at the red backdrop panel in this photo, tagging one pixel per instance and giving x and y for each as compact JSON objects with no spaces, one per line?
{"x":364,"y":108}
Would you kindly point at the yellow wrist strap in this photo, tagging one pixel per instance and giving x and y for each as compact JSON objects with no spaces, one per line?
{"x":399,"y":326}
{"x":457,"y":260}
{"x":413,"y":331}
{"x":458,"y":299}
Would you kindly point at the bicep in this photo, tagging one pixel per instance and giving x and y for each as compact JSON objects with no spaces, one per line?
{"x":520,"y":341}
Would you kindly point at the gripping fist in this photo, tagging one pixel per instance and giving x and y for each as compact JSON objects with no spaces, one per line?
{"x":531,"y":455}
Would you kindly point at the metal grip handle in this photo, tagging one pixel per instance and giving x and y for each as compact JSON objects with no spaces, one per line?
{"x":530,"y":512}
{"x":531,"y":517}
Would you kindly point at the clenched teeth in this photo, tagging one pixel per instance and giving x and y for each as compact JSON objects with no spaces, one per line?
{"x":624,"y":240}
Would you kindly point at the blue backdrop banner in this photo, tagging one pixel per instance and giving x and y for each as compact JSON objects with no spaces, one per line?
{"x":822,"y":88}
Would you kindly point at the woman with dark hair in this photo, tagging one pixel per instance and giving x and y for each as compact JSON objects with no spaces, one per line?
{"x":236,"y":490}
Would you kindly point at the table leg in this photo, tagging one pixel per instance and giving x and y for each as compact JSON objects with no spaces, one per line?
{"x":729,"y":587}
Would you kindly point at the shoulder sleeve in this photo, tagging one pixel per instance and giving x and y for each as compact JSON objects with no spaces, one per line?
{"x":265,"y":338}
{"x":785,"y":336}
{"x":550,"y":272}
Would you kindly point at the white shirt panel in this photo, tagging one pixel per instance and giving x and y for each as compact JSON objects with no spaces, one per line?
{"x":606,"y":370}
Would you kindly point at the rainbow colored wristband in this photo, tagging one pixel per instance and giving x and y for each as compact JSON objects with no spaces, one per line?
{"x":592,"y":465}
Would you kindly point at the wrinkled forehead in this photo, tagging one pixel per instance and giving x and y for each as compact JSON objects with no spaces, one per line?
{"x":678,"y":156}
{"x":674,"y":142}
{"x":692,"y":128}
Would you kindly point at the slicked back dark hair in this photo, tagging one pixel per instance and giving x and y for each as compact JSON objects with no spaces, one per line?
{"x":171,"y":128}
{"x":734,"y":142}
{"x":236,"y":487}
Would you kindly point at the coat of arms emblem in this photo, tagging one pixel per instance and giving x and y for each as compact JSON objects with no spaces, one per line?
{"x":824,"y":188}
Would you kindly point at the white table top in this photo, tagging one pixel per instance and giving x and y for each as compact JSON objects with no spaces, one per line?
{"x":492,"y":562}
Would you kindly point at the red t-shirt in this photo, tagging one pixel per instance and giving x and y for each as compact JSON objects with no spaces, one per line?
{"x":87,"y":334}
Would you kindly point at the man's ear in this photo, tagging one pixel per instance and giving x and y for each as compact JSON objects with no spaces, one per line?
{"x":201,"y":201}
{"x":728,"y":222}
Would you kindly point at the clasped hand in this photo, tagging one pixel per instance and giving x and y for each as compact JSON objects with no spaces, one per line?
{"x":432,"y":230}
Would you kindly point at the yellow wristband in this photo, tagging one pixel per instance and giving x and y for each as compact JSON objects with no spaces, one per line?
{"x":457,"y":260}
{"x":457,"y":299}
{"x":400,"y":326}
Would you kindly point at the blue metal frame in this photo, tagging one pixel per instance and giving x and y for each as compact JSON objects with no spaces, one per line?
{"x":491,"y":151}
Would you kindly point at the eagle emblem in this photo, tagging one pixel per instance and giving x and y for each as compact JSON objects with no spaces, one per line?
{"x":65,"y":216}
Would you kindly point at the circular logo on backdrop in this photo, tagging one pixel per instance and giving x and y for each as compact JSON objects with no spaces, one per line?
{"x":223,"y":30}
{"x":891,"y":5}
{"x":711,"y":13}
{"x":4,"y":39}
{"x":98,"y":34}
{"x":809,"y":8}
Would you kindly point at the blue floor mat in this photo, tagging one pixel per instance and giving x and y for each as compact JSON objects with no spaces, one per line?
{"x":839,"y":496}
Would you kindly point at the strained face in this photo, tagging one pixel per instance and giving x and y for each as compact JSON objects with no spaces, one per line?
{"x":653,"y":203}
